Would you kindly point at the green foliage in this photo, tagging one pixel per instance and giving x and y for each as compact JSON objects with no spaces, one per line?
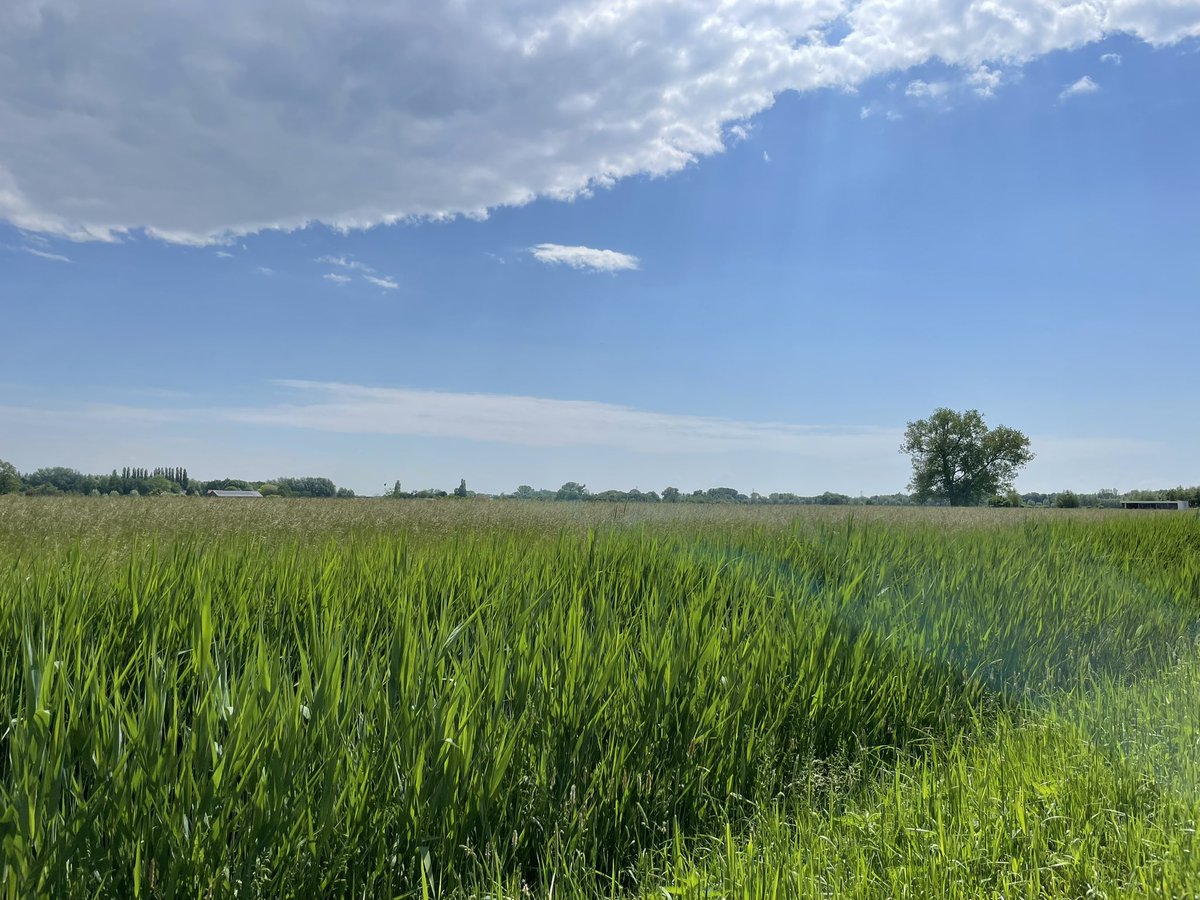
{"x":1066,"y":500}
{"x":958,"y":459}
{"x":10,"y":479}
{"x":309,"y":486}
{"x":572,"y":491}
{"x":353,"y":700}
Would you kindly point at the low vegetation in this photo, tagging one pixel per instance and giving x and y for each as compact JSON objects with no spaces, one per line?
{"x":302,"y":698}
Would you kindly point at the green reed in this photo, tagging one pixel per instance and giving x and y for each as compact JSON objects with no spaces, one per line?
{"x":348,"y":699}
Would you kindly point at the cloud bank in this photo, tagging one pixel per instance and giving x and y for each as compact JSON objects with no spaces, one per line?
{"x":199,"y":121}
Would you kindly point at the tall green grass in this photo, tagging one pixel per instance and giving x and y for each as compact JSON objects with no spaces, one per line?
{"x":306,"y":700}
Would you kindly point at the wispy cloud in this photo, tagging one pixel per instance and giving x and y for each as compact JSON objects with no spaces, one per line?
{"x":513,"y":419}
{"x":336,"y":278}
{"x":264,"y":270}
{"x":367,"y":273}
{"x":388,"y":284}
{"x":1114,"y":58}
{"x":926,"y":90}
{"x":224,"y":254}
{"x":1085,"y":85}
{"x":584,"y":258}
{"x":874,"y":109}
{"x":346,"y":262}
{"x":46,"y":254}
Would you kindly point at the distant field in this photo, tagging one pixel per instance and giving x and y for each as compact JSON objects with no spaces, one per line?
{"x":377,"y":698}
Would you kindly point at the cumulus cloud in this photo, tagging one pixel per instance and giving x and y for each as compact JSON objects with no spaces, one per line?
{"x":385,"y":282}
{"x":1084,"y":85}
{"x":195,"y":121}
{"x":984,"y":81}
{"x":584,"y":258}
{"x":1114,"y":58}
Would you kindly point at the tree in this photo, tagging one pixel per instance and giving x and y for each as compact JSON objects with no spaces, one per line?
{"x":572,"y":490}
{"x":957,"y":458}
{"x":670,"y":495}
{"x":10,"y":480}
{"x":307,"y":487}
{"x":461,"y":490}
{"x":1009,"y":498}
{"x":1066,"y":500}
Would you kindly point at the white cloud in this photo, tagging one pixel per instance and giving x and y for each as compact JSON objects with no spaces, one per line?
{"x":264,"y":270}
{"x":924,"y":90}
{"x":336,"y":278}
{"x":46,"y":254}
{"x":222,"y":254}
{"x":875,"y":109}
{"x":984,"y":81}
{"x":766,"y":156}
{"x":367,"y":273}
{"x":584,"y":258}
{"x":385,"y":282}
{"x":508,"y":419}
{"x":1084,"y":85}
{"x":1114,"y":58}
{"x":345,"y":262}
{"x":351,"y":434}
{"x":198,"y":121}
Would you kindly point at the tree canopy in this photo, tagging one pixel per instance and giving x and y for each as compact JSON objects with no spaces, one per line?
{"x":957,"y":458}
{"x":10,"y":480}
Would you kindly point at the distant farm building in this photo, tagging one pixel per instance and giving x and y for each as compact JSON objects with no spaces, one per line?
{"x":1154,"y":504}
{"x":234,"y":494}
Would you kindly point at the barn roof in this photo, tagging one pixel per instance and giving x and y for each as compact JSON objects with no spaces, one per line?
{"x":215,"y":493}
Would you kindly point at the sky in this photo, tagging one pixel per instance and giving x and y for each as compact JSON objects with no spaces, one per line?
{"x":630,"y":244}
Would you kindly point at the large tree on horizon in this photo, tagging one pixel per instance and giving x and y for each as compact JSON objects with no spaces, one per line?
{"x":956,"y":457}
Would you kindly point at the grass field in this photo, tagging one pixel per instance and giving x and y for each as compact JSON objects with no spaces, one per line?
{"x":376,"y":699}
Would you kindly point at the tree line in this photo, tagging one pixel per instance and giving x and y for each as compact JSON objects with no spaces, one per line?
{"x":163,"y":480}
{"x":957,"y":460}
{"x":134,"y":481}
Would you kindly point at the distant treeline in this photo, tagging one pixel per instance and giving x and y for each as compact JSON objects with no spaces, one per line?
{"x":1109,"y":499}
{"x":132,"y":481}
{"x":175,"y":480}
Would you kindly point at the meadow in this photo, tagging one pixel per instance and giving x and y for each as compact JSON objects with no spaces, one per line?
{"x":372,"y":698}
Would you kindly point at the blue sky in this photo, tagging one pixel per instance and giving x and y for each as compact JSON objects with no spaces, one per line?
{"x":463,"y":265}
